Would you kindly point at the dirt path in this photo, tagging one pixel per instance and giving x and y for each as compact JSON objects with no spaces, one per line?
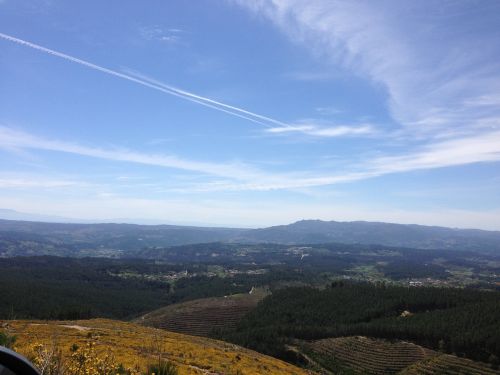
{"x":312,"y":362}
{"x":73,"y":326}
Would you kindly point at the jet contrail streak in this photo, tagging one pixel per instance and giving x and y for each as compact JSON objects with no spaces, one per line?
{"x":147,"y":82}
{"x":194,"y":96}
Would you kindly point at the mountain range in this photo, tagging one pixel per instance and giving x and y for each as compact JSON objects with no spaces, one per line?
{"x":132,"y":236}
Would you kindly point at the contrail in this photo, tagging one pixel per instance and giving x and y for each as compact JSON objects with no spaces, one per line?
{"x":159,"y":86}
{"x":214,"y":102}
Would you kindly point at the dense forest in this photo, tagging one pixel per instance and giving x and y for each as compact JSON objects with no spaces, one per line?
{"x":69,"y":288}
{"x":61,"y":288}
{"x":461,"y":321}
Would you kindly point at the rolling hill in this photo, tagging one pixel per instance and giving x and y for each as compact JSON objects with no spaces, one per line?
{"x":121,"y":240}
{"x":21,"y":238}
{"x":201,"y":316}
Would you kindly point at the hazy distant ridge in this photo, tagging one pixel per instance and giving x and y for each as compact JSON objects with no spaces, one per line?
{"x":364,"y":232}
{"x":131,"y":236}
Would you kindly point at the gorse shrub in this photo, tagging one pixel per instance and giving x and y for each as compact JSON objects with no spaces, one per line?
{"x":163,"y":368}
{"x":47,"y":359}
{"x":87,"y":360}
{"x":7,"y":340}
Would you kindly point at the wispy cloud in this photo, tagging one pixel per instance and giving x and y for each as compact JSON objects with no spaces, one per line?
{"x":38,"y":182}
{"x":328,"y":110}
{"x":435,"y":89}
{"x":10,"y":139}
{"x":467,"y":150}
{"x":478,"y":149}
{"x":325,"y":131}
{"x":162,"y":34}
{"x":239,"y":176}
{"x":311,"y":76}
{"x":483,"y":101}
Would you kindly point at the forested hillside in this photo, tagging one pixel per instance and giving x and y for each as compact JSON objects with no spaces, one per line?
{"x":37,"y":238}
{"x":365,"y":232}
{"x":458,"y":321}
{"x":67,"y":288}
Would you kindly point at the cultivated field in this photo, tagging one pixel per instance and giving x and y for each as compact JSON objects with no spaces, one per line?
{"x":362,"y":355}
{"x":449,"y":365}
{"x":201,"y":316}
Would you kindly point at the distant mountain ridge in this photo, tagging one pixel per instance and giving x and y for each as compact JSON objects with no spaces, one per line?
{"x":8,"y":214}
{"x":67,"y":238}
{"x":389,"y":234}
{"x":125,"y":237}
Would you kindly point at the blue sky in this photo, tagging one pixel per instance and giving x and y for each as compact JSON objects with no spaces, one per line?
{"x":252,"y":113}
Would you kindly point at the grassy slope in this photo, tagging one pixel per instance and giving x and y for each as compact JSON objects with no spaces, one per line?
{"x":131,"y":345}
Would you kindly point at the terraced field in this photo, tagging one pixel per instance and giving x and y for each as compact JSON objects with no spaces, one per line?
{"x":449,"y":365}
{"x":363,"y":355}
{"x":201,"y":316}
{"x":135,"y":347}
{"x":372,"y":356}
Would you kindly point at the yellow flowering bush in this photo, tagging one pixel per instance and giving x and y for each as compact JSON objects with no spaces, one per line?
{"x":101,"y":346}
{"x":47,"y":358}
{"x":86,"y":361}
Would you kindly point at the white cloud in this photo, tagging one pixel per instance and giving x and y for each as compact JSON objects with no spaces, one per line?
{"x":484,"y":100}
{"x":238,"y":176}
{"x":438,"y":78}
{"x":463,"y":151}
{"x":328,"y":110}
{"x":162,"y":34}
{"x":309,"y":76}
{"x":10,"y":138}
{"x":467,"y":150}
{"x":22,"y":183}
{"x":325,"y":131}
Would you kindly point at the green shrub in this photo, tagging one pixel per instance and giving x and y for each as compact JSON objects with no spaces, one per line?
{"x":7,"y":340}
{"x":163,"y":368}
